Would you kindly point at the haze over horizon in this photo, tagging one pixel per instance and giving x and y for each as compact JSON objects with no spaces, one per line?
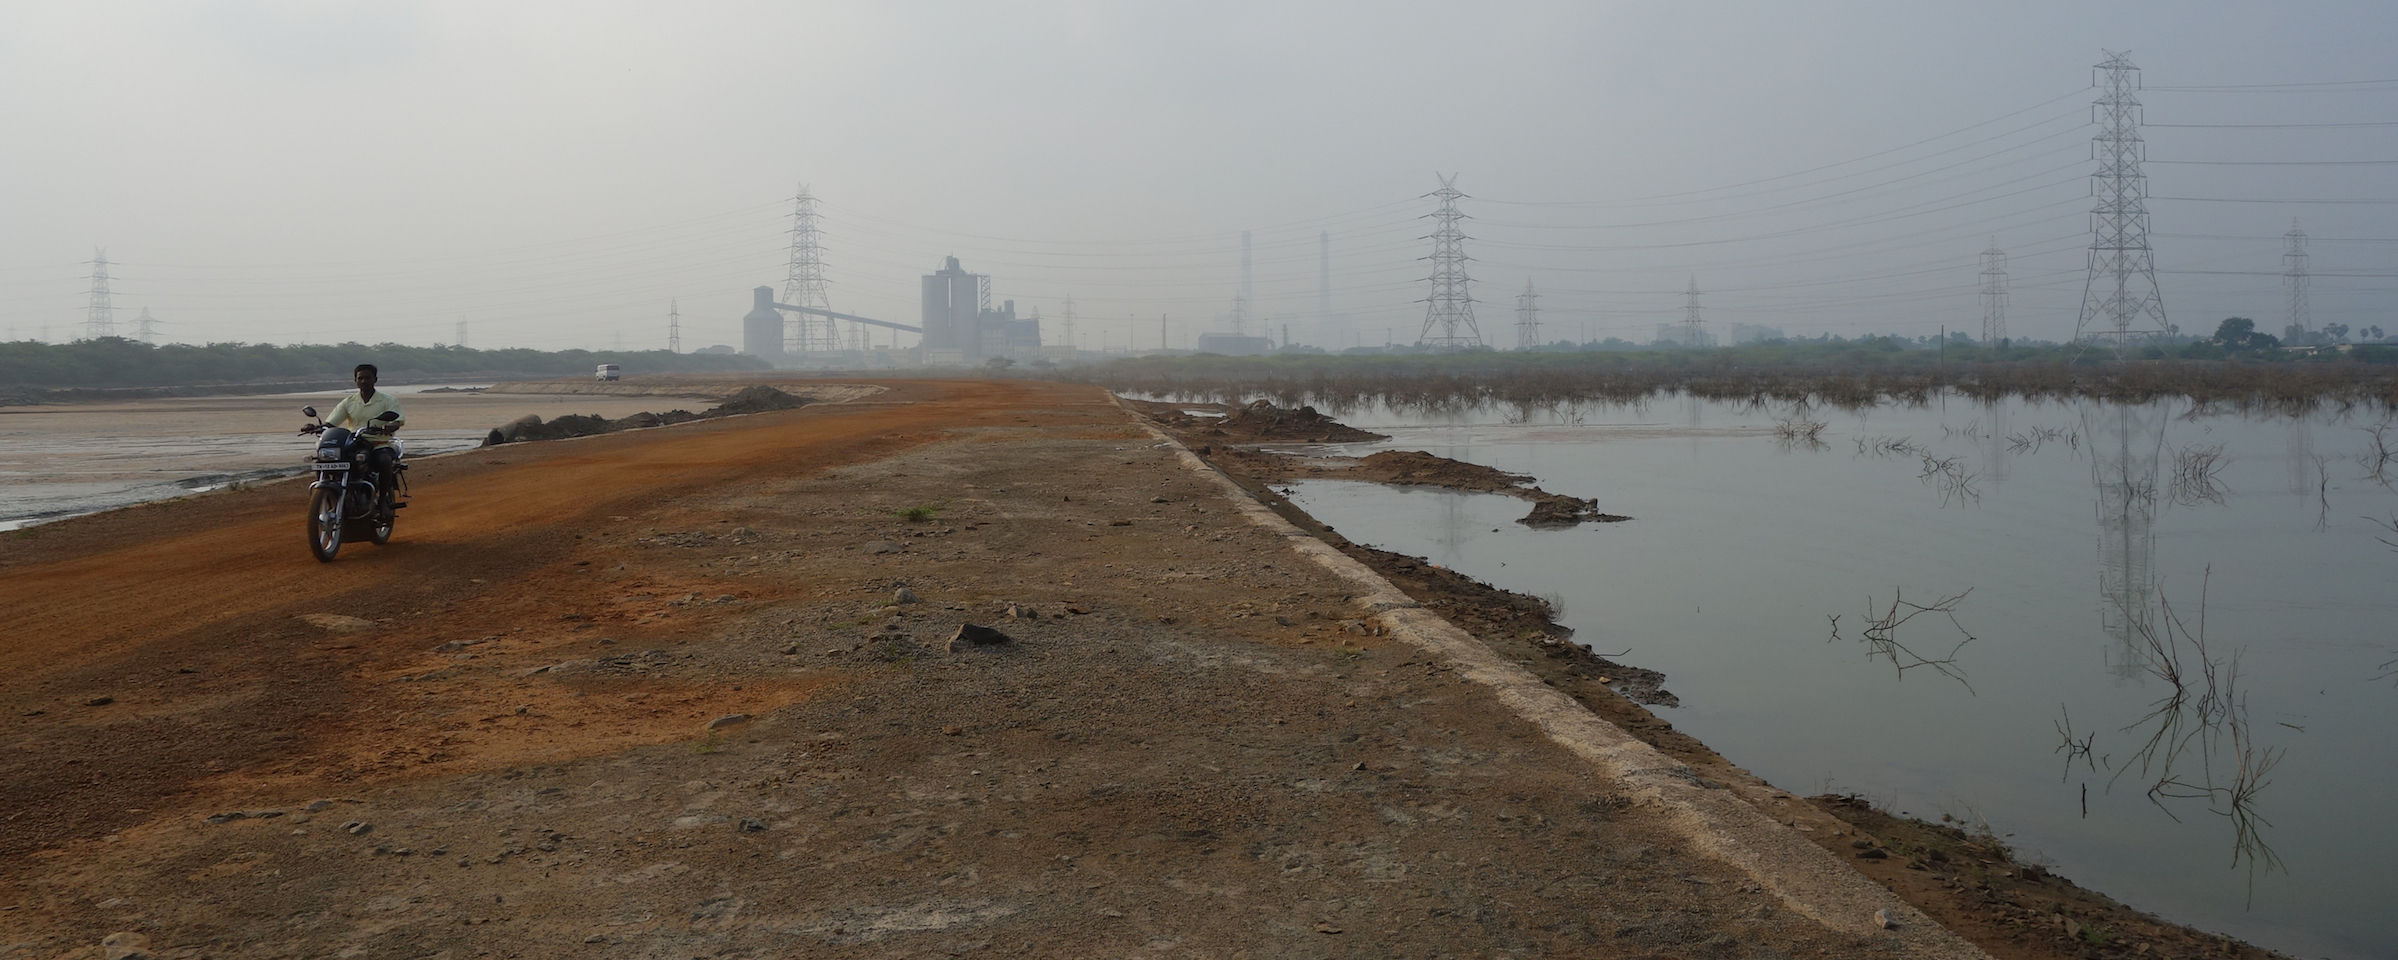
{"x":553,"y":175}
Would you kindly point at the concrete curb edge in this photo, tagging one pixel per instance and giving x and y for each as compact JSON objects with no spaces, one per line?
{"x":1808,"y":879}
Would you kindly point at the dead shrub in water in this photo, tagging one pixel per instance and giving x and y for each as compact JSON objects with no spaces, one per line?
{"x":1435,"y":382}
{"x":1800,"y":430}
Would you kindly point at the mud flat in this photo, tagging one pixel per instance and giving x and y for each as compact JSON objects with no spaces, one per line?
{"x":694,"y":691}
{"x":64,"y":459}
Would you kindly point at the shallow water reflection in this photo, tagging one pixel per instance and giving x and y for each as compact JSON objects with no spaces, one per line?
{"x":2090,"y":585}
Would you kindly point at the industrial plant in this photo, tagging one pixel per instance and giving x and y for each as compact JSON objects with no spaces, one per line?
{"x":960,"y":329}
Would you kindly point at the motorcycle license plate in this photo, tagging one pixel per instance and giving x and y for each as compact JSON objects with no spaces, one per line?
{"x":322,"y":467}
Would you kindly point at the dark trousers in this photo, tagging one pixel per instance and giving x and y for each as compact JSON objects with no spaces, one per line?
{"x":385,"y":462}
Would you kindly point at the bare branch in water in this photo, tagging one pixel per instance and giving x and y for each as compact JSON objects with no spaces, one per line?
{"x":2072,"y":747}
{"x":2194,"y":475}
{"x":1881,"y":635}
{"x":2200,"y":721}
{"x":1888,"y":446}
{"x":2390,"y":525}
{"x":2322,"y":493}
{"x":1955,"y":484}
{"x":2381,"y":456}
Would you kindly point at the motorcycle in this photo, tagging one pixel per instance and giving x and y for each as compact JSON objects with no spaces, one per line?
{"x":348,"y":501}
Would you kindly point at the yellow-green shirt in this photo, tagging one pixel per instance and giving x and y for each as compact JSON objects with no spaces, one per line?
{"x":355,"y":414}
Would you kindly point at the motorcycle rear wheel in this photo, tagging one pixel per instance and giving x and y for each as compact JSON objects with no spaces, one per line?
{"x":378,"y":530}
{"x":324,"y":523}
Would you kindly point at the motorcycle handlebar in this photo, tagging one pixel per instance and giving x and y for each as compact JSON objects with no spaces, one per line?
{"x":373,"y":430}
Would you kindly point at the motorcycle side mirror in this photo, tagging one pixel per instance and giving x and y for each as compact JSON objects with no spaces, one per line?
{"x":389,"y":415}
{"x":307,"y":411}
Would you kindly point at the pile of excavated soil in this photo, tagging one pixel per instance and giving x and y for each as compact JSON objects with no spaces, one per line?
{"x":1259,"y":422}
{"x":1416,"y":468}
{"x":756,"y":399}
{"x":1412,"y":468}
{"x":1262,"y":421}
{"x":748,"y":400}
{"x":706,"y":387}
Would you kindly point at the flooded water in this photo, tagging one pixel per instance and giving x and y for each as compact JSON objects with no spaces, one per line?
{"x":69,"y":459}
{"x":2084,"y":577}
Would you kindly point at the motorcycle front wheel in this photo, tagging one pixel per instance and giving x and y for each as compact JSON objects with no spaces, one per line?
{"x":324,"y":523}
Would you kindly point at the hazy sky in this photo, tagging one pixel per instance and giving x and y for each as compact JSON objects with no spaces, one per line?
{"x":553,"y":174}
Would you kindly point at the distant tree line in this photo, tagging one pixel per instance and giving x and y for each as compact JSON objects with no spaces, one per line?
{"x":2236,"y":339}
{"x":118,"y":362}
{"x":2239,"y":369}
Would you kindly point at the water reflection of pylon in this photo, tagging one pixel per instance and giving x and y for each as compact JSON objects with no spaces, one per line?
{"x":1452,"y":528}
{"x":1451,"y":539}
{"x":1994,"y":441}
{"x":2125,"y":444}
{"x":2302,"y":457}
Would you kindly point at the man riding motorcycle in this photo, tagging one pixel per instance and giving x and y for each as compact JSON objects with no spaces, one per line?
{"x":356,"y":413}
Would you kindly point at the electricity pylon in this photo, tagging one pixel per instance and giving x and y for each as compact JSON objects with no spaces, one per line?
{"x":2121,"y":290}
{"x":1696,"y":328}
{"x":1450,"y":308}
{"x":2293,"y":276}
{"x":1527,"y":317}
{"x":99,"y":317}
{"x":1994,"y":295}
{"x":803,"y":284}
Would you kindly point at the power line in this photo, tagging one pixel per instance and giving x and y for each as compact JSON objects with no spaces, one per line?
{"x":2278,"y":163}
{"x":2258,"y":200}
{"x":2267,"y":126}
{"x":2231,"y":87}
{"x":2229,"y":236}
{"x":1828,"y":166}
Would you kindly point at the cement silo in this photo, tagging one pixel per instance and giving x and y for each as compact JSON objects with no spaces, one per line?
{"x":762,"y":328}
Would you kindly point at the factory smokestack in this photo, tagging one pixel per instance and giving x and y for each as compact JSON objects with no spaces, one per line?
{"x":1248,"y":289}
{"x":1323,"y":281}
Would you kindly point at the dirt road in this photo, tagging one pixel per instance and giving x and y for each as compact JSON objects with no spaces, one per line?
{"x":656,"y":695}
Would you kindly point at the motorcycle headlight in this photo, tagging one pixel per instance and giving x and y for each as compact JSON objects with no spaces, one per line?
{"x":329,"y":453}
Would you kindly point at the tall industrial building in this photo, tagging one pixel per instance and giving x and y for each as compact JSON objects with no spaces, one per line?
{"x":960,"y":327}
